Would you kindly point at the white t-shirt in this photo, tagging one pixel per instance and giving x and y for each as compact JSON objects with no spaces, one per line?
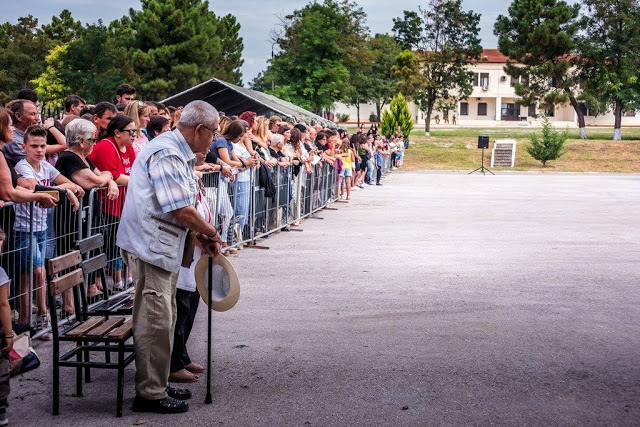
{"x":241,"y":151}
{"x":186,"y":276}
{"x":45,"y":177}
{"x":4,"y":278}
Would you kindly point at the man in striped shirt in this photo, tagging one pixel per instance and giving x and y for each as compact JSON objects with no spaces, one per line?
{"x":158,"y":213}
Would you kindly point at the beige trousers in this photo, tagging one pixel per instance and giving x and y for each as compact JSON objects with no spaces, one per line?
{"x":154,"y":319}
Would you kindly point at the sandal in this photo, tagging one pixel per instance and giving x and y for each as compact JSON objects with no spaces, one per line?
{"x":182,"y":376}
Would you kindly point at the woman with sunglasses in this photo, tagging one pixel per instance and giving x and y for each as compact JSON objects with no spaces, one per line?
{"x":115,"y":154}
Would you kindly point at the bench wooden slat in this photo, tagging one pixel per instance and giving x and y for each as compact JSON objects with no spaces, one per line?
{"x":90,"y":243}
{"x":68,"y":281}
{"x":94,"y":264}
{"x":123,"y":331}
{"x":85,"y":327}
{"x":106,"y":327}
{"x":63,"y":262}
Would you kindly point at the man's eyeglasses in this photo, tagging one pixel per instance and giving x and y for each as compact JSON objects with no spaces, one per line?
{"x":214,"y":132}
{"x":91,"y":140}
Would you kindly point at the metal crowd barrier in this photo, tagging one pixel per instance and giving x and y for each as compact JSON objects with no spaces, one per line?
{"x":243,"y":213}
{"x":33,"y":235}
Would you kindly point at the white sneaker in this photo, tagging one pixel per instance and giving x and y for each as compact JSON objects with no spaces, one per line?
{"x":119,"y":287}
{"x":44,"y":322}
{"x":3,"y":418}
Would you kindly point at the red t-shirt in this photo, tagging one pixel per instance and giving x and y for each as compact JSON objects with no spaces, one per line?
{"x":107,"y":157}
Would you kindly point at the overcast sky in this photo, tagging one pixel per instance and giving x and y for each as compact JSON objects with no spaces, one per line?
{"x":257,"y":18}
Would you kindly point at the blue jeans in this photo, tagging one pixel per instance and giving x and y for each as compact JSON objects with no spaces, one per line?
{"x":23,"y":240}
{"x":370,"y":169}
{"x":51,"y":236}
{"x":243,"y":197}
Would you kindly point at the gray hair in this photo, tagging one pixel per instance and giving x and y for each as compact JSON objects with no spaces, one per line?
{"x":277,"y":139}
{"x":79,"y":129}
{"x":198,"y":112}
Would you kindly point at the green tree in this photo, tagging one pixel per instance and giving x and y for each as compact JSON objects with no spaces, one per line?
{"x":407,"y":71}
{"x":408,"y":30}
{"x":177,"y":45}
{"x":397,"y":118}
{"x":540,"y":37}
{"x":232,"y":45}
{"x":50,"y":85}
{"x":361,"y":79}
{"x":94,"y":64}
{"x":23,"y":48}
{"x":318,"y":50}
{"x":388,"y":124}
{"x":549,"y":145}
{"x":400,"y":109}
{"x":382,"y":85}
{"x":610,"y":55}
{"x":449,"y":43}
{"x":63,"y":28}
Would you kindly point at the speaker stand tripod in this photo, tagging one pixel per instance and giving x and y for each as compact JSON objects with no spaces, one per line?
{"x":482,"y":168}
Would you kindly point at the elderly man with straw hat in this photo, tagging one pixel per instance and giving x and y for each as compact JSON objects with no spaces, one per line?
{"x":157,"y":221}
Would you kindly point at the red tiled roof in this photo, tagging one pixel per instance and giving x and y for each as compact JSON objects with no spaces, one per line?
{"x":493,"y":56}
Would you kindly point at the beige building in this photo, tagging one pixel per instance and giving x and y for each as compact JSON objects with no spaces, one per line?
{"x":494,"y":102}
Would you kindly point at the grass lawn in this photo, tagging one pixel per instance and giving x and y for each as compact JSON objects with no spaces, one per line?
{"x":455,"y":149}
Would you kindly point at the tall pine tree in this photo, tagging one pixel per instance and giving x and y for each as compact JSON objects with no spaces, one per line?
{"x":540,"y":37}
{"x":610,"y":55}
{"x":178,"y":44}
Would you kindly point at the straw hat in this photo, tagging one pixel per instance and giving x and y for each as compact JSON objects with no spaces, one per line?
{"x":225,"y":286}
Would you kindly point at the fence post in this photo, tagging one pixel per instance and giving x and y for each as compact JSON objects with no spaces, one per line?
{"x":252,"y":207}
{"x":30,"y":269}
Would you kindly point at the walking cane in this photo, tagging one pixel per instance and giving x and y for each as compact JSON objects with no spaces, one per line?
{"x":208,"y":398}
{"x":219,"y":287}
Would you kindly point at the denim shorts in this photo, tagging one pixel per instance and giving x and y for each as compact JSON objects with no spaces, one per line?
{"x":346,"y":172}
{"x":39,"y":243}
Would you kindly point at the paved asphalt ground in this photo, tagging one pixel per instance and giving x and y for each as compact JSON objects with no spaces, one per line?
{"x":436,"y":299}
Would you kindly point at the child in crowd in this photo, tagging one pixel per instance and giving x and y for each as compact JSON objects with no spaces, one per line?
{"x":33,"y":224}
{"x":348,"y":159}
{"x":400,"y":154}
{"x":6,"y":338}
{"x":379,"y":163}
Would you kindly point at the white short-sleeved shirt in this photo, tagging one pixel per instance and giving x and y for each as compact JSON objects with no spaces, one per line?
{"x":4,"y":278}
{"x":45,"y":177}
{"x":241,"y":151}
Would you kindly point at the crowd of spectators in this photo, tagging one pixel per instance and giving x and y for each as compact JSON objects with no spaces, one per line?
{"x":47,"y":161}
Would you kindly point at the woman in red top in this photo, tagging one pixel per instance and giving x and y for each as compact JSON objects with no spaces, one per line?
{"x":115,"y":154}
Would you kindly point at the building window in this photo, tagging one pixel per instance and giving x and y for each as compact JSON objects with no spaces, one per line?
{"x":484,"y":80}
{"x":482,"y":108}
{"x":464,"y":108}
{"x":476,"y":78}
{"x":532,"y":111}
{"x":551,"y":111}
{"x":514,"y":81}
{"x":630,"y":113}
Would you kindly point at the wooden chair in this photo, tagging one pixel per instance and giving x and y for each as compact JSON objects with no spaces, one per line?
{"x":94,"y":264}
{"x":90,"y":334}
